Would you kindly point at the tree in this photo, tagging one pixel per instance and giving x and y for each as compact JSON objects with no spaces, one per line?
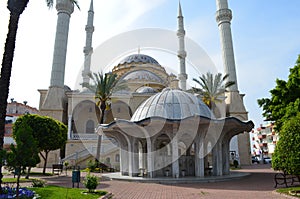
{"x":103,"y":86}
{"x":284,"y":101}
{"x":286,"y":156}
{"x":212,"y":88}
{"x":25,"y":154}
{"x":16,"y":8}
{"x":49,"y":133}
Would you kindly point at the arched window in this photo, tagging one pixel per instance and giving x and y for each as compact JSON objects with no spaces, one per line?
{"x":90,"y":126}
{"x":117,"y":158}
{"x":108,"y":160}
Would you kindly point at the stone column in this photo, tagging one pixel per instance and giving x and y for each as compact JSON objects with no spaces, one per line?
{"x":70,"y":127}
{"x":175,"y":163}
{"x":134,"y":158}
{"x":124,"y":161}
{"x":199,"y":158}
{"x":226,"y":163}
{"x":217,"y":159}
{"x":150,"y":163}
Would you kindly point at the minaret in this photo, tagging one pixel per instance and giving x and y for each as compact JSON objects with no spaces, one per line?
{"x":234,"y":100}
{"x":64,"y":10}
{"x":88,"y":49}
{"x":181,"y":52}
{"x":223,"y":17}
{"x":53,"y":103}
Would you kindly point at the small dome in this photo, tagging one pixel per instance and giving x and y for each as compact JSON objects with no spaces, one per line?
{"x":145,"y":89}
{"x":142,"y":75}
{"x":138,"y":58}
{"x":172,"y":104}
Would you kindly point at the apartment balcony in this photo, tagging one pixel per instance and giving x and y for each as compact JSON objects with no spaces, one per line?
{"x":264,"y":144}
{"x":261,"y":136}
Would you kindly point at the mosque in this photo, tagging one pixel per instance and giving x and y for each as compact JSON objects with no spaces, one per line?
{"x":154,"y":127}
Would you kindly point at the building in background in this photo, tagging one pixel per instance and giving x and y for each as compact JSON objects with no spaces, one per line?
{"x":13,"y":111}
{"x":264,"y":140}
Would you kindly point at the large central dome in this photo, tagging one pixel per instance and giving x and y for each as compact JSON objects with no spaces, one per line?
{"x":172,"y":104}
{"x":139,"y":58}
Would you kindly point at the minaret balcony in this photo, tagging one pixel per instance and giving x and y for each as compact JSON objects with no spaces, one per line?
{"x":84,"y":136}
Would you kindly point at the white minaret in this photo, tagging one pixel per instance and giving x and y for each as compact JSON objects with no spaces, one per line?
{"x":181,"y":52}
{"x":234,"y":100}
{"x":64,"y":10}
{"x":223,"y":17}
{"x":54,"y":101}
{"x":88,"y":49}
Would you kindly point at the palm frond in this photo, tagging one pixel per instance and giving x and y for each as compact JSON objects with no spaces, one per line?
{"x":76,"y":3}
{"x":49,"y":3}
{"x":212,"y":87}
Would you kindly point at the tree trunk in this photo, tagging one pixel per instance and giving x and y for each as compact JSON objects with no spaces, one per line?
{"x":5,"y":76}
{"x":16,"y":8}
{"x":28,"y":172}
{"x":102,"y":108}
{"x":45,"y":157}
{"x":18,"y":184}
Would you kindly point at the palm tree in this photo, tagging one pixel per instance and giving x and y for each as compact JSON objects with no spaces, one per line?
{"x":103,"y":87}
{"x":212,"y":88}
{"x":16,"y":8}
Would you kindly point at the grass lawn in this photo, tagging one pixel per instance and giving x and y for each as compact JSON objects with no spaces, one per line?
{"x":290,"y":191}
{"x":12,"y":180}
{"x":55,"y":192}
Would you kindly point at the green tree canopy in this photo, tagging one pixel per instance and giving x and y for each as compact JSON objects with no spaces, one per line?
{"x":287,"y":152}
{"x":16,"y":8}
{"x":284,"y":100}
{"x":49,"y":133}
{"x":25,"y":153}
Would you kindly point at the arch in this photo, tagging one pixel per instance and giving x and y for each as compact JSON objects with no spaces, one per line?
{"x":117,"y":157}
{"x":121,"y":110}
{"x":90,"y":127}
{"x":84,"y":114}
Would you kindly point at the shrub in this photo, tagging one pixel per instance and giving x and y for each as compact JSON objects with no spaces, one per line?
{"x":91,"y":182}
{"x":92,"y":165}
{"x":38,"y":183}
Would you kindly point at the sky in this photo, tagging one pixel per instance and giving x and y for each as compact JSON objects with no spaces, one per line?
{"x":265,"y":38}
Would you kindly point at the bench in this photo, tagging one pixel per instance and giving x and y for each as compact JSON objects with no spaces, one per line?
{"x":285,"y":179}
{"x":57,"y":169}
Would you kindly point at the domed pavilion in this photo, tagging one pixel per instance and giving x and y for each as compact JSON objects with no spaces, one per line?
{"x":173,"y":133}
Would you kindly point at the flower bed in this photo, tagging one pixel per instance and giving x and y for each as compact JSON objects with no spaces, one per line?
{"x":8,"y":192}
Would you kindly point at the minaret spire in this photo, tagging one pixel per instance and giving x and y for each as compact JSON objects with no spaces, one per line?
{"x":88,"y":49}
{"x":53,"y":103}
{"x":64,"y":10}
{"x":223,"y":18}
{"x":181,"y":52}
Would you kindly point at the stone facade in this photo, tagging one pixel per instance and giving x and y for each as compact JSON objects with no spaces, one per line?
{"x":143,"y":76}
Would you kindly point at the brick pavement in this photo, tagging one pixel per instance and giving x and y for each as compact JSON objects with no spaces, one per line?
{"x":258,"y":185}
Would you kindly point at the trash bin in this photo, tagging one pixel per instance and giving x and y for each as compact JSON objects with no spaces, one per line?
{"x":76,"y":176}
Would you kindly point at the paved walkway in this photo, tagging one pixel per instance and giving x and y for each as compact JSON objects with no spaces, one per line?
{"x":259,"y":184}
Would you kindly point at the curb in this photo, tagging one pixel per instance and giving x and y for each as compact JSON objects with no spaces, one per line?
{"x":283,"y":195}
{"x":107,"y":196}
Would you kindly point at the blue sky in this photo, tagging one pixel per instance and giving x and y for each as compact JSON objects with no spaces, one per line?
{"x":265,"y":38}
